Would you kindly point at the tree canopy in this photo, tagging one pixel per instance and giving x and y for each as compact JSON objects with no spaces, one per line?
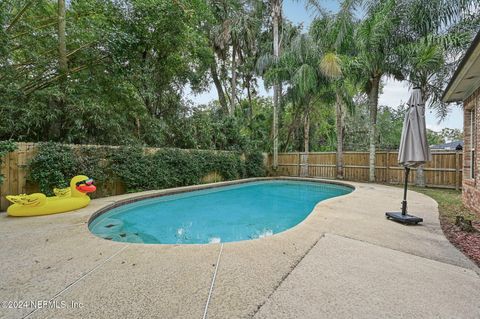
{"x":125,"y":72}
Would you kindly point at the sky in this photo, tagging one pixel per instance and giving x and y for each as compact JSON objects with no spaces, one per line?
{"x":394,"y":93}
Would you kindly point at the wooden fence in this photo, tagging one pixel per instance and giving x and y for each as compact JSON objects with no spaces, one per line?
{"x":14,"y":168}
{"x":444,"y":171}
{"x":14,"y":171}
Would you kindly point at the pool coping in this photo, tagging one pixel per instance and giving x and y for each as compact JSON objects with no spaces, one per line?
{"x":185,"y":189}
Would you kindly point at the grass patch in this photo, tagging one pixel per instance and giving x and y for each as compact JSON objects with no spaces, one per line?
{"x":450,"y":206}
{"x":449,"y":202}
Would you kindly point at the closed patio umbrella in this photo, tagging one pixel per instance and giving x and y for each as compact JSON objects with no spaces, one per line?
{"x":414,"y":150}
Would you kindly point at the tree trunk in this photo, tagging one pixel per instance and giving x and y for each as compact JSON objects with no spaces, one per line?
{"x":218,"y":85}
{"x":223,"y":80}
{"x":249,"y":95}
{"x":276,"y":13}
{"x":62,"y":46}
{"x":306,"y":132}
{"x":306,"y":144}
{"x":234,"y":81}
{"x":373,"y":107}
{"x":292,"y":127}
{"x":62,"y":70}
{"x":340,"y":128}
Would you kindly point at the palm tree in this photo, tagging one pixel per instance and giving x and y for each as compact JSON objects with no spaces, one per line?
{"x":276,"y":12}
{"x":314,"y":78}
{"x":436,"y":34}
{"x":376,"y":43}
{"x":335,"y":36}
{"x":276,"y":6}
{"x":299,"y":66}
{"x":390,"y":26}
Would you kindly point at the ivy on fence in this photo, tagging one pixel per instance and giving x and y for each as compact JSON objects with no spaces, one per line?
{"x":139,"y":169}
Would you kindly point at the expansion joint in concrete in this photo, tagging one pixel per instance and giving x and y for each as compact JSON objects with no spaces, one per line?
{"x":205,"y":312}
{"x":284,"y":277}
{"x":76,"y":281}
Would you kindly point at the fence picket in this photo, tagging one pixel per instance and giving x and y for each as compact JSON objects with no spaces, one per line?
{"x":444,"y":171}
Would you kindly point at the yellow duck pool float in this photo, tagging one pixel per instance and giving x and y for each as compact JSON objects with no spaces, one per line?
{"x":65,"y":199}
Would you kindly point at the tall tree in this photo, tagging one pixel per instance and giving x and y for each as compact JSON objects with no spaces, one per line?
{"x":276,"y":6}
{"x":376,"y":42}
{"x":62,"y":41}
{"x":235,"y":36}
{"x":298,"y":65}
{"x":393,"y":28}
{"x":436,"y":34}
{"x":334,"y":34}
{"x":219,"y":32}
{"x":437,"y":31}
{"x":62,"y":60}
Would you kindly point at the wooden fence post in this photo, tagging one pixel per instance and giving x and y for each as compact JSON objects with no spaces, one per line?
{"x":299,"y":164}
{"x":306,"y":164}
{"x":387,"y":172}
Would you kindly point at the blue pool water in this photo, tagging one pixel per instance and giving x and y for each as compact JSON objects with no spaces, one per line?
{"x":223,"y":214}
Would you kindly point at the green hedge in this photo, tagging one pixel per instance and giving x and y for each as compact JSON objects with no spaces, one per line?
{"x":55,"y":164}
{"x":254,"y":164}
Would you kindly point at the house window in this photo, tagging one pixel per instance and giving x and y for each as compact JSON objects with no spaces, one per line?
{"x":473,"y":140}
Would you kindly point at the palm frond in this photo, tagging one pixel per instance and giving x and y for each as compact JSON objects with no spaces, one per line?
{"x":330,"y":66}
{"x":305,"y":79}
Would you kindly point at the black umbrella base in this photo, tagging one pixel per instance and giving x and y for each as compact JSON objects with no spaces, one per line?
{"x":405,"y":219}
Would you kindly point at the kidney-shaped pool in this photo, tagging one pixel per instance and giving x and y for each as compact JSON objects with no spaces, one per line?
{"x":221,"y":214}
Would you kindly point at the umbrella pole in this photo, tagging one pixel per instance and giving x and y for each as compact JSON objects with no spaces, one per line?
{"x":402,"y":216}
{"x":404,"y":202}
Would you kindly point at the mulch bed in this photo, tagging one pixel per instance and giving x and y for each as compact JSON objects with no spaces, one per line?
{"x":467,"y":242}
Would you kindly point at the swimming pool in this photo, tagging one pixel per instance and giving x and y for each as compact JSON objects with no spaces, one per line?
{"x":221,"y":214}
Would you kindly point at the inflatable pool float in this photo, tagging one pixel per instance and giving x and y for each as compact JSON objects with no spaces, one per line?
{"x":66,"y":199}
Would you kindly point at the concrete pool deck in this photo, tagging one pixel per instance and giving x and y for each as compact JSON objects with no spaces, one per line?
{"x":346,"y":260}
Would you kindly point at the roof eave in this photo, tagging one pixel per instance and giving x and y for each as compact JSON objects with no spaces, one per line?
{"x":455,"y":80}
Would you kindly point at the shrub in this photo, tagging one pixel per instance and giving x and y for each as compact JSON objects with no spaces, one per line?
{"x":132,"y":167}
{"x":54,"y":165}
{"x":228,"y":165}
{"x":254,"y":164}
{"x":178,"y":167}
{"x":93,"y":162}
{"x":172,"y":167}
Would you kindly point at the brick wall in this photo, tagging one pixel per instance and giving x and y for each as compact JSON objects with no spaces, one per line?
{"x":471,"y":186}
